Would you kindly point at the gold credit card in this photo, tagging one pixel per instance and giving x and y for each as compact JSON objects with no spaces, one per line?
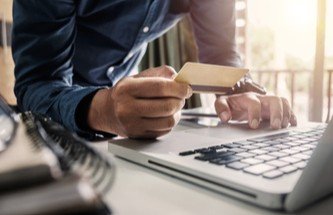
{"x":207,"y":78}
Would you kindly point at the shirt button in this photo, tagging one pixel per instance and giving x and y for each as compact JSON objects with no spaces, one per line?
{"x":130,"y":55}
{"x":145,"y":29}
{"x":110,"y":70}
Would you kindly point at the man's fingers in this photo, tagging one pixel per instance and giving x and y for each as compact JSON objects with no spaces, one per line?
{"x":155,"y":127}
{"x":158,"y":124}
{"x":255,"y":107}
{"x":286,"y":113}
{"x":222,"y":109}
{"x":254,"y":110}
{"x":155,"y":87}
{"x":275,"y":109}
{"x":293,"y":119}
{"x":147,"y":105}
{"x":241,"y":107}
{"x":162,"y":72}
{"x":153,"y":108}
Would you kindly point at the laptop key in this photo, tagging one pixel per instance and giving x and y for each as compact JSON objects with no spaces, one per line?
{"x":293,"y":144}
{"x":221,"y":150}
{"x":282,"y":140}
{"x":301,"y":156}
{"x":288,"y":169}
{"x":258,"y":140}
{"x":299,"y":148}
{"x":207,"y":151}
{"x":225,"y":160}
{"x":314,"y":143}
{"x":271,"y":149}
{"x":261,"y":145}
{"x":278,"y":154}
{"x":309,"y":152}
{"x":250,"y":147}
{"x":273,"y":174}
{"x":291,"y":139}
{"x":252,"y":161}
{"x":277,"y":163}
{"x":230,"y":145}
{"x":282,"y":146}
{"x":310,"y":146}
{"x":300,"y":165}
{"x":224,"y":153}
{"x":237,"y":150}
{"x":290,"y":160}
{"x":237,"y":165}
{"x":258,"y":169}
{"x":300,"y":136}
{"x":310,"y":139}
{"x":258,"y":151}
{"x":186,"y":153}
{"x":201,"y":158}
{"x":211,"y":156}
{"x":245,"y":142}
{"x":199,"y":150}
{"x":301,"y":141}
{"x":265,"y":157}
{"x":272,"y":142}
{"x":245,"y":154}
{"x":289,"y":151}
{"x":216,"y":147}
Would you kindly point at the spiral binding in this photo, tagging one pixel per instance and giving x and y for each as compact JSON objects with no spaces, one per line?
{"x":73,"y":153}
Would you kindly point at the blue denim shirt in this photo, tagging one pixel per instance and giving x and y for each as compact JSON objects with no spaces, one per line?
{"x":66,"y":49}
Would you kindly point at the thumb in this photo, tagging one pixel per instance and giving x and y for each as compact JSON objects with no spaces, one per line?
{"x":222,"y":109}
{"x":162,"y":71}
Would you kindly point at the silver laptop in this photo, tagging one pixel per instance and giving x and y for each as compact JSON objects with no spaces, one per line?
{"x":282,"y":170}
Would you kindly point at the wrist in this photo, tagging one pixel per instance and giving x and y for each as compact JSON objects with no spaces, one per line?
{"x":81,"y":112}
{"x":101,"y":116}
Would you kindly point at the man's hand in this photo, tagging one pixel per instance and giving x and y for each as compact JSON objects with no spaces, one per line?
{"x":143,"y":106}
{"x":254,"y":108}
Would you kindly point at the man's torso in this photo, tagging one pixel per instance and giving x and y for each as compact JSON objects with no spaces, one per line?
{"x":111,"y":36}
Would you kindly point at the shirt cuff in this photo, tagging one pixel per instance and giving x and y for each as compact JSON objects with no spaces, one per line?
{"x":81,"y":116}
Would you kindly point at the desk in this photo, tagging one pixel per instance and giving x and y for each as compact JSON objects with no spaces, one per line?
{"x":139,"y":190}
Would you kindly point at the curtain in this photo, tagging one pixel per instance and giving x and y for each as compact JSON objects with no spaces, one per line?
{"x":174,"y":48}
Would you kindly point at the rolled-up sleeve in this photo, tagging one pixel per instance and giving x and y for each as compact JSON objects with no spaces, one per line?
{"x":43,"y":47}
{"x":214,"y":27}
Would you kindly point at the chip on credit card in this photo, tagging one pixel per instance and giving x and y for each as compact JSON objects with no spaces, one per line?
{"x":208,"y":78}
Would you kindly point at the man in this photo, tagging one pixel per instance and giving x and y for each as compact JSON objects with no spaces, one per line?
{"x":75,"y":61}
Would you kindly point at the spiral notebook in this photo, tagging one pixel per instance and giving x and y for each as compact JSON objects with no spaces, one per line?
{"x":42,"y":162}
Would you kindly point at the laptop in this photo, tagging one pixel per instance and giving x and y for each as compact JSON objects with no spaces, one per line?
{"x":285,"y":169}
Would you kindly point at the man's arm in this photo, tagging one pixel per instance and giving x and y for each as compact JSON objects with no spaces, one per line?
{"x":44,"y":34}
{"x":43,"y":46}
{"x":214,"y":28}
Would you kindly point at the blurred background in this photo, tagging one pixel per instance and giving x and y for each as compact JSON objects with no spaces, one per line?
{"x":287,"y":44}
{"x":6,"y":61}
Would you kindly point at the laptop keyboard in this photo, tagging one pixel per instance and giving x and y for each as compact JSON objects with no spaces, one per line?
{"x":270,"y":156}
